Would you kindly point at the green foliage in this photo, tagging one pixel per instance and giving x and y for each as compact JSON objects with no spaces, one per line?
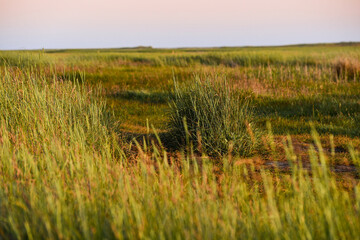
{"x":214,"y":117}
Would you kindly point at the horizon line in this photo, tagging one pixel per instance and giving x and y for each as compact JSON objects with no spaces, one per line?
{"x":345,"y":43}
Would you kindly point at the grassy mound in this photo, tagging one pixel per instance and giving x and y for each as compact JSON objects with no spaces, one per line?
{"x":214,"y":117}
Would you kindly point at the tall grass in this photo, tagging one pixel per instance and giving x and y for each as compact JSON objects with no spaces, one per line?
{"x":35,"y":112}
{"x":63,"y":175}
{"x":348,"y":68}
{"x":62,"y":187}
{"x":27,"y":59}
{"x":214,"y":117}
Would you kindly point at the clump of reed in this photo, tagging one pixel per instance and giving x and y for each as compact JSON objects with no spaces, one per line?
{"x":214,"y":117}
{"x":347,"y":68}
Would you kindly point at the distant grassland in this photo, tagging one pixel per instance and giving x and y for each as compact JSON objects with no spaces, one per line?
{"x":291,"y":85}
{"x":70,"y":168}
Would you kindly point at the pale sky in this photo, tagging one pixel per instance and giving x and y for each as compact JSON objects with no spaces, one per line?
{"x":35,"y":24}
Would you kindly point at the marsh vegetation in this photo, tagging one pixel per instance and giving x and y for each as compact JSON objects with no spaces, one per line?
{"x":217,"y":143}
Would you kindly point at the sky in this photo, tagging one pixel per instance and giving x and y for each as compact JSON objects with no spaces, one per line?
{"x":55,"y":24}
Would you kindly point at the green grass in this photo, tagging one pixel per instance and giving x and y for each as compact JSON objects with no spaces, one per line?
{"x":56,"y":182}
{"x":275,"y":75}
{"x":214,"y":117}
{"x":67,"y":170}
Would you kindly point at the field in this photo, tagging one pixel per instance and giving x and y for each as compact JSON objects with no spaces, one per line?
{"x":93,"y":143}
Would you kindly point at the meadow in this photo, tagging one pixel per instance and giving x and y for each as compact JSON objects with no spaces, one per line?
{"x":94,"y":143}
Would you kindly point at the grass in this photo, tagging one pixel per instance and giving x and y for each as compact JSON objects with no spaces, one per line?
{"x":67,"y":170}
{"x":35,"y":112}
{"x":214,"y":117}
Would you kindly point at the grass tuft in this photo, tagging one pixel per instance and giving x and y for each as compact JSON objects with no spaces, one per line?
{"x":347,"y":68}
{"x":213,"y":116}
